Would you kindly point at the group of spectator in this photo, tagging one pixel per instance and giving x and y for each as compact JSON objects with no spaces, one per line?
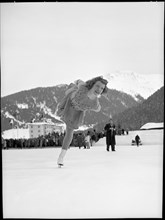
{"x":121,"y":131}
{"x":84,"y":139}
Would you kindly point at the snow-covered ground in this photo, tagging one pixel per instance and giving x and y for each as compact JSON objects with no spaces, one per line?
{"x":93,"y":183}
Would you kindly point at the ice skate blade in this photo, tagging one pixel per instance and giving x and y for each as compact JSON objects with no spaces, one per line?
{"x":60,"y":165}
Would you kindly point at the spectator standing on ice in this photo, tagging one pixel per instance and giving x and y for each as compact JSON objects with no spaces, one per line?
{"x":87,"y":140}
{"x":61,"y":138}
{"x":93,"y":137}
{"x":137,"y":139}
{"x":80,"y":140}
{"x":110,"y":132}
{"x":82,"y":96}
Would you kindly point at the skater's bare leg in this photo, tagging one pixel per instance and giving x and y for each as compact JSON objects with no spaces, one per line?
{"x":68,"y":138}
{"x":66,"y":143}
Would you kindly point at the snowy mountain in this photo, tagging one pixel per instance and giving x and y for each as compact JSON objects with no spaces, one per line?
{"x":21,"y":108}
{"x":135,"y":84}
{"x":150,"y":110}
{"x":126,"y":90}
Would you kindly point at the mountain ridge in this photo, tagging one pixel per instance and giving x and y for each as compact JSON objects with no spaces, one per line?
{"x":150,"y":110}
{"x":24,"y":106}
{"x":135,"y":84}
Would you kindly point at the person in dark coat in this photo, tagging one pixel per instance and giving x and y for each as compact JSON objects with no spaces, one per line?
{"x":110,"y":132}
{"x":80,"y":140}
{"x":137,"y":139}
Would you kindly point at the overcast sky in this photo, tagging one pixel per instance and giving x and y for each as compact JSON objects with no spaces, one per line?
{"x":45,"y":44}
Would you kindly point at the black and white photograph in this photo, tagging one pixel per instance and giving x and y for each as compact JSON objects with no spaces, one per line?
{"x":82,"y":109}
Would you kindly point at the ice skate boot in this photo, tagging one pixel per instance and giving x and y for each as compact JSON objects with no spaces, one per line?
{"x":61,"y":158}
{"x":60,"y":165}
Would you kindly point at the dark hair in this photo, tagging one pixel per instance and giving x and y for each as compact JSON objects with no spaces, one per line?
{"x":91,"y":82}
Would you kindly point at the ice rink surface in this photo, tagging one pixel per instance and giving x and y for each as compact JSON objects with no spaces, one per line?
{"x":93,"y":183}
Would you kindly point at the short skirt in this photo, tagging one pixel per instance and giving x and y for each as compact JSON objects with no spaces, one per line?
{"x":66,"y":111}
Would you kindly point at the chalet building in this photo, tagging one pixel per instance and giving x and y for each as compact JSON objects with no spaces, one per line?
{"x":37,"y":129}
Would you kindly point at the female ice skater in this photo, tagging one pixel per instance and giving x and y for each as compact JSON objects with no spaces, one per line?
{"x":82,"y":96}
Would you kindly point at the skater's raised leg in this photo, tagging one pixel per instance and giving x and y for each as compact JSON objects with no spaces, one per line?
{"x":66,"y":142}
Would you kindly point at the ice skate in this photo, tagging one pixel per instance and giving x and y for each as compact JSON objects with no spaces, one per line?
{"x":60,"y":159}
{"x":60,"y":165}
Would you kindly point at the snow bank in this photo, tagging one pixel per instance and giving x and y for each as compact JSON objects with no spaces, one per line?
{"x":152,"y":125}
{"x":16,"y":133}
